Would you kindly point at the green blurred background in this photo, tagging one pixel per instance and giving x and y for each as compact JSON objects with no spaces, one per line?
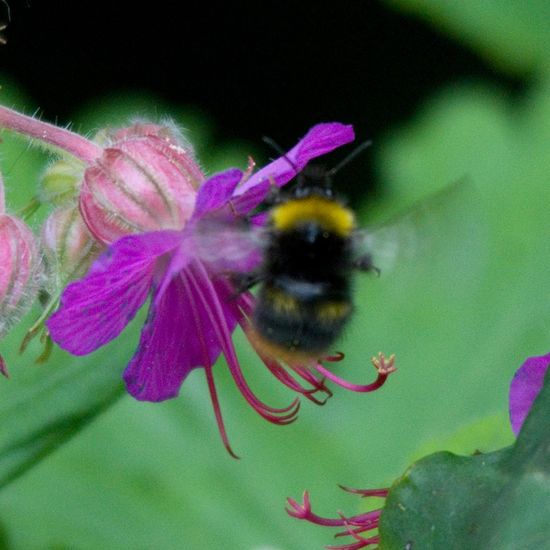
{"x":461,"y":313}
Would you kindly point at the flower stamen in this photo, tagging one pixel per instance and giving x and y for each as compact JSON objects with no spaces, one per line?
{"x":284,"y":415}
{"x":218,"y":412}
{"x":354,"y":526}
{"x":383,"y":366}
{"x":209,"y":376}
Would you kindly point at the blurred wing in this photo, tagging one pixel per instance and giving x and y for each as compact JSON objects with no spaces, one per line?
{"x":407,"y":234}
{"x":231,"y":246}
{"x":385,"y":246}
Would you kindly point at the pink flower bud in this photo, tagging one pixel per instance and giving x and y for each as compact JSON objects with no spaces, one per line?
{"x":19,"y":269}
{"x":69,"y":247}
{"x":146,"y":179}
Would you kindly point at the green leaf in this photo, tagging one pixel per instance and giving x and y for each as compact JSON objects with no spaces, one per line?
{"x":512,"y":34}
{"x":496,"y":500}
{"x":42,"y":406}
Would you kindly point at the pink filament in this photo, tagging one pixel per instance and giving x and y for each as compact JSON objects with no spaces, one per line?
{"x":354,"y":525}
{"x":363,"y":543}
{"x":218,"y":411}
{"x":246,"y":304}
{"x":285,"y":377}
{"x":216,"y":316}
{"x":348,"y":385}
{"x":208,"y":371}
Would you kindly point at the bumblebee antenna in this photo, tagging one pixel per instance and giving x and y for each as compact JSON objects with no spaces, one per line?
{"x":359,"y":149}
{"x":272,"y":143}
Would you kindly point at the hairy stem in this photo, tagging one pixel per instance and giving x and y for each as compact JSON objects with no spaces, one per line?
{"x":70,"y":142}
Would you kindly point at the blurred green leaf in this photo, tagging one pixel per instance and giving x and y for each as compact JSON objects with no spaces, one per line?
{"x":20,"y":163}
{"x":514,"y":35}
{"x":44,"y":405}
{"x":496,"y":500}
{"x":485,"y":434}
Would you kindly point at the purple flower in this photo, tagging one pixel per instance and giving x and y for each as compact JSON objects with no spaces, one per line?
{"x":354,"y":526}
{"x":525,"y":387}
{"x":193,"y":310}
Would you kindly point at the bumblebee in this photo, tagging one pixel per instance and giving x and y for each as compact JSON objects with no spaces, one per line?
{"x":308,"y":252}
{"x":305,"y":297}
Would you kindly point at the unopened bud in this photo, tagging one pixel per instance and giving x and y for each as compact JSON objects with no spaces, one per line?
{"x":19,"y":268}
{"x":68,"y":245}
{"x":60,"y":182}
{"x":145,"y":180}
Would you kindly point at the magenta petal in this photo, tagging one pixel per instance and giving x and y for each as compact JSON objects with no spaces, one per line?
{"x":223,"y":245}
{"x":167,"y":350}
{"x":525,"y":387}
{"x":95,"y":309}
{"x":320,"y":139}
{"x":179,"y":335}
{"x":180,"y":258}
{"x":216,"y":191}
{"x":3,"y":366}
{"x":246,"y":202}
{"x":260,"y":220}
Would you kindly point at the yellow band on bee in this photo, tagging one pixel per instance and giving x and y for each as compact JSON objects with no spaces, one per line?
{"x":281,"y":301}
{"x":333,"y":311}
{"x":329,"y":214}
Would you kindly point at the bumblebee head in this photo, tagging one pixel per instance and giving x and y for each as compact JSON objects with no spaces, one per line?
{"x":314,"y":180}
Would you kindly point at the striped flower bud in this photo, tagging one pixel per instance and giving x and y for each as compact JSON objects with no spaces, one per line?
{"x":146,"y":179}
{"x":19,"y":268}
{"x":68,"y":245}
{"x":137,"y":179}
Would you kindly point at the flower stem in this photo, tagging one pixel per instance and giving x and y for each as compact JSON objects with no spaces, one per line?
{"x":29,"y":209}
{"x":39,"y":324}
{"x":72,"y":143}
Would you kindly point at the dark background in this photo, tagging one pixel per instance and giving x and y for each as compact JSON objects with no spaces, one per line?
{"x":256,"y":68}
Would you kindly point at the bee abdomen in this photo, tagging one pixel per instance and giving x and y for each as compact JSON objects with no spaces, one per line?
{"x":297,"y":325}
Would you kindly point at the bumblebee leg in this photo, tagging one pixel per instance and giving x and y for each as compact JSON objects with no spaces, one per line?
{"x":244,"y":282}
{"x":364,"y":263}
{"x":273,"y":196}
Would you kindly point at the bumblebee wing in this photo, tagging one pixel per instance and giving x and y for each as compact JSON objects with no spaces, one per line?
{"x":230,"y":246}
{"x":405,"y":235}
{"x":381,"y":248}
